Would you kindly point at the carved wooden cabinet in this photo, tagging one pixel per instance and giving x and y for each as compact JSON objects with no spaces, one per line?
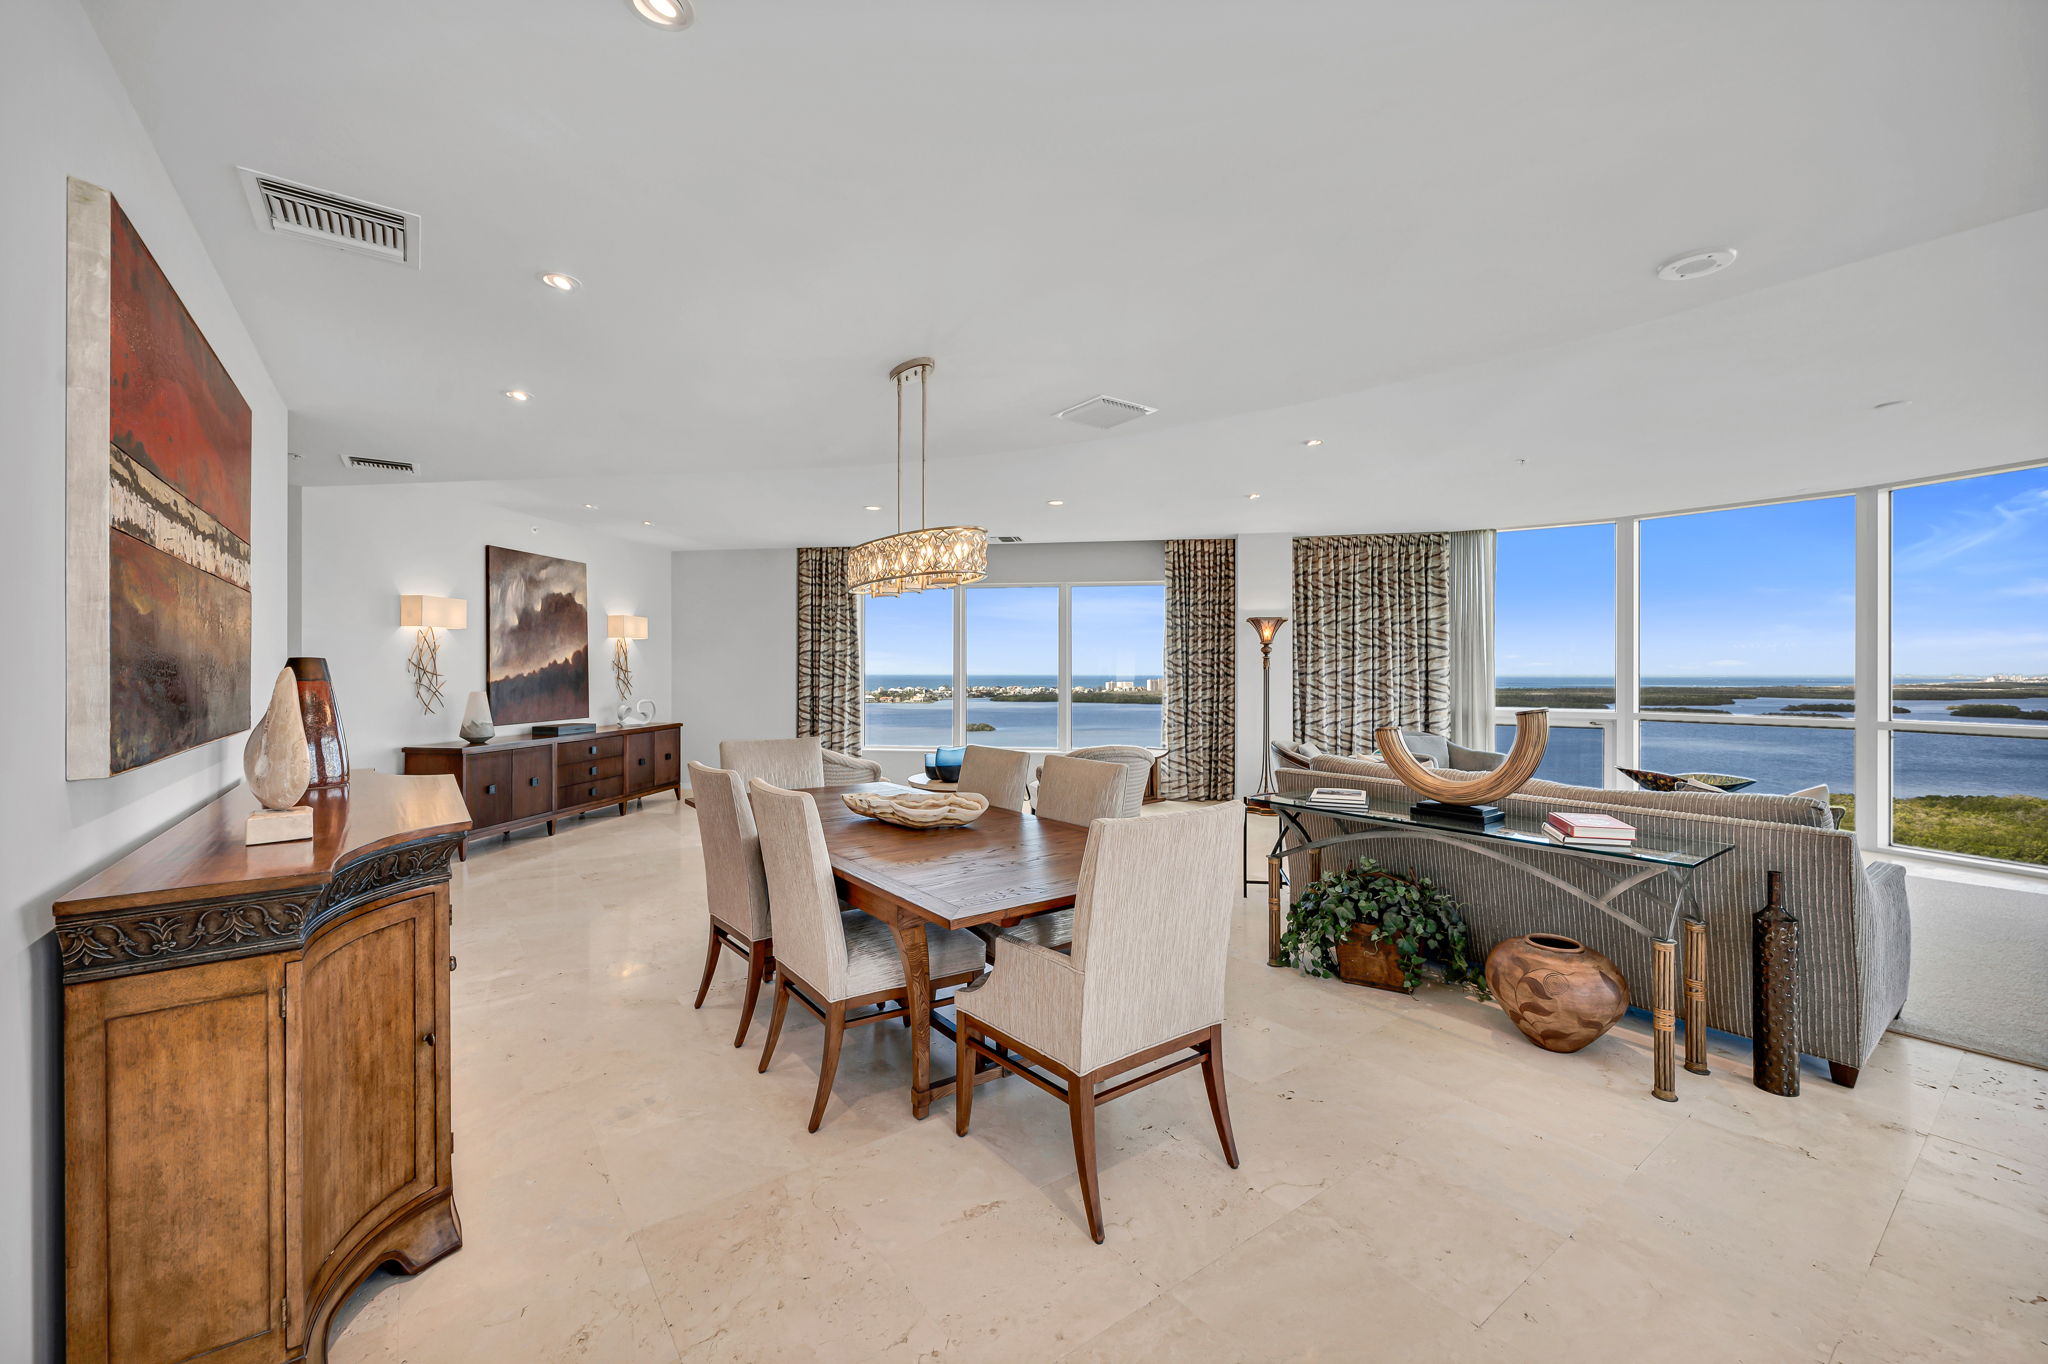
{"x":256,"y":1075}
{"x":518,"y":782}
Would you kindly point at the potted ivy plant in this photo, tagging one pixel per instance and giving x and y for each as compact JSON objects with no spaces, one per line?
{"x":1371,"y":925}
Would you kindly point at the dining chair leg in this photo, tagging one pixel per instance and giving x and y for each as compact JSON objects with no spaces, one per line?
{"x":1219,"y":1102}
{"x":775,"y":1021}
{"x":757,"y":969}
{"x":835,"y":1033}
{"x":1081,"y":1113}
{"x":710,"y":968}
{"x":966,"y":1065}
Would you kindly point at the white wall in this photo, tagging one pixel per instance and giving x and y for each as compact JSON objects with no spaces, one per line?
{"x":64,"y":113}
{"x":1265,"y":587}
{"x":361,"y":548}
{"x":735,"y":647}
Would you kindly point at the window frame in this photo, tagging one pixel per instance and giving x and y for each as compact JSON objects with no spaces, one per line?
{"x":1872,"y":723}
{"x":1064,"y":732}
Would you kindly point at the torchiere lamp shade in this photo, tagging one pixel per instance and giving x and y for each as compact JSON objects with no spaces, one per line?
{"x":625,"y":627}
{"x":1267,"y":626}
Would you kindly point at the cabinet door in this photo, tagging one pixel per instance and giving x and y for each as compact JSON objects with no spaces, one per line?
{"x":668,"y":757}
{"x":533,"y":781}
{"x":639,"y":762}
{"x":175,"y":1162}
{"x":487,"y":787}
{"x":364,"y":1017}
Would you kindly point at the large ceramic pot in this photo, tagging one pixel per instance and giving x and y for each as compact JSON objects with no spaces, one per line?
{"x":1561,"y":993}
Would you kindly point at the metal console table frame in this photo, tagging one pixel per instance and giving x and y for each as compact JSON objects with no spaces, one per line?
{"x":1645,"y":862}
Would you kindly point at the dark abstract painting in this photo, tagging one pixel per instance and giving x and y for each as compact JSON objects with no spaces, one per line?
{"x":538,"y":627}
{"x":157,"y":552}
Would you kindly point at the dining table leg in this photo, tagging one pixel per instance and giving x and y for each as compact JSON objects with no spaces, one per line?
{"x":917,"y":979}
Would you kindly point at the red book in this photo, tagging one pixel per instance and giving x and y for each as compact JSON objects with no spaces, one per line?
{"x":1604,"y":828}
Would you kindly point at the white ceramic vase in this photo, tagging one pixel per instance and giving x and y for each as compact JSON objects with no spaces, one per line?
{"x":476,"y":719}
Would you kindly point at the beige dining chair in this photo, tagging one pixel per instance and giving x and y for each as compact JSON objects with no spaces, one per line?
{"x":795,"y":763}
{"x":1079,"y":790}
{"x":1001,"y":774}
{"x":835,"y":959}
{"x":1143,"y":980}
{"x":1137,"y":764}
{"x":735,"y":885}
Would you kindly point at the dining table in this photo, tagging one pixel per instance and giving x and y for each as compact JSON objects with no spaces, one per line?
{"x":1005,"y":867}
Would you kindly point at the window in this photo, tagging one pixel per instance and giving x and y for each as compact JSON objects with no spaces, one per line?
{"x":1013,"y":666}
{"x":1554,"y":618}
{"x":1746,"y":660}
{"x":1051,"y":666}
{"x":909,"y":669}
{"x":1119,"y":665}
{"x":1970,"y":599}
{"x":1980,"y":794}
{"x":1751,"y":611}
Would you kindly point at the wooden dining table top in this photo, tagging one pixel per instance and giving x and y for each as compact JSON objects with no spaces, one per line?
{"x":1004,"y":866}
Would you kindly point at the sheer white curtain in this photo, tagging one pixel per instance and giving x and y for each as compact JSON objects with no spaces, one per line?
{"x":1472,"y":638}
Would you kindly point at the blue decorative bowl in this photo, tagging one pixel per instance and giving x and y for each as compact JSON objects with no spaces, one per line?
{"x":944,"y":764}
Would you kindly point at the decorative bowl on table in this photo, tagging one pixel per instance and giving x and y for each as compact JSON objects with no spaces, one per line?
{"x":918,"y":809}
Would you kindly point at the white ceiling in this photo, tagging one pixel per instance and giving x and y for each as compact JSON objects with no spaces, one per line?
{"x":1425,"y":233}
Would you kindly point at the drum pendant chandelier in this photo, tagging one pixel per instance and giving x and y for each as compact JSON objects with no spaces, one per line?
{"x":931,"y":556}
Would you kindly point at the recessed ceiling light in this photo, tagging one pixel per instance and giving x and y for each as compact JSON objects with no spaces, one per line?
{"x":1890,"y":402}
{"x":517,"y":395}
{"x":1055,"y":503}
{"x":870,"y":508}
{"x":1311,"y":442}
{"x":668,"y":14}
{"x":590,"y":506}
{"x":1252,"y":497}
{"x":646,"y":523}
{"x":554,"y":279}
{"x":1697,"y":263}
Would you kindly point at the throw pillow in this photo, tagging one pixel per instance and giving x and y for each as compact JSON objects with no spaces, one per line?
{"x":1308,"y":749}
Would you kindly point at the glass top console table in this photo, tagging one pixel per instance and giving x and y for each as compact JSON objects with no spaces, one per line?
{"x":1512,"y":842}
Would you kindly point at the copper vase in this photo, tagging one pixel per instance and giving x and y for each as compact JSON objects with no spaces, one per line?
{"x":323,"y":722}
{"x":1562,"y":994}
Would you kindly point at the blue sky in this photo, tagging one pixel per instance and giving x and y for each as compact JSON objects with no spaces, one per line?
{"x":1118,"y":631}
{"x":1770,"y":591}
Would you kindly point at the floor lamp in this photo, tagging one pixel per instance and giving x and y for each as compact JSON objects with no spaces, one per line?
{"x":1267,"y":626}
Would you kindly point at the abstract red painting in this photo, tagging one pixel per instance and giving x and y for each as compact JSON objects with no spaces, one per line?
{"x":158,"y":455}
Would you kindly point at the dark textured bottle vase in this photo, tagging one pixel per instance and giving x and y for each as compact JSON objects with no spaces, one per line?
{"x":1774,"y":995}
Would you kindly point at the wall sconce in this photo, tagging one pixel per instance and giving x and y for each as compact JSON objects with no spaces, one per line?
{"x":426,"y":615}
{"x":619,"y":629}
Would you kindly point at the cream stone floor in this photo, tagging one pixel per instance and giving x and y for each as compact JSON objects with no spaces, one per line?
{"x":1418,"y":1182}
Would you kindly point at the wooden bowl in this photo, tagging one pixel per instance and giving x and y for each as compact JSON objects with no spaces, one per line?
{"x":918,"y":809}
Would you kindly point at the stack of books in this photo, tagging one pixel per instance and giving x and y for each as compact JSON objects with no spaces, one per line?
{"x":1344,"y":797}
{"x":1588,"y":831}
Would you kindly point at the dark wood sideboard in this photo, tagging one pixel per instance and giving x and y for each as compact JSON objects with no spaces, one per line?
{"x":256,"y":1066}
{"x":516,"y":783}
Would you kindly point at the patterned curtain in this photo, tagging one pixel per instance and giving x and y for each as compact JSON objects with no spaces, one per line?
{"x":1372,"y":637}
{"x":1199,"y":726}
{"x":827,"y":650}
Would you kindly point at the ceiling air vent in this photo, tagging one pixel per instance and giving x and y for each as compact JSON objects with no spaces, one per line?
{"x":1103,"y":411}
{"x":379,"y":466}
{"x":1008,"y":539}
{"x":325,"y":219}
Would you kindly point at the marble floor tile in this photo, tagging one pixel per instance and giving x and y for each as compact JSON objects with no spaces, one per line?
{"x":1418,"y":1182}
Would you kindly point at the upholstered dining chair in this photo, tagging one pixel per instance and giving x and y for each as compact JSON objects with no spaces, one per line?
{"x":835,"y":959}
{"x":734,"y":884}
{"x":1142,"y":981}
{"x":1001,"y":774}
{"x":1137,"y":764}
{"x":795,"y":763}
{"x":1079,"y":790}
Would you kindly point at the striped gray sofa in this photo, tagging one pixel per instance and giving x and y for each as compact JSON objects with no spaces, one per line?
{"x":1854,"y":938}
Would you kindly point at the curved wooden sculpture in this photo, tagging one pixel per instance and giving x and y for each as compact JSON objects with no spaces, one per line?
{"x":1532,"y":736}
